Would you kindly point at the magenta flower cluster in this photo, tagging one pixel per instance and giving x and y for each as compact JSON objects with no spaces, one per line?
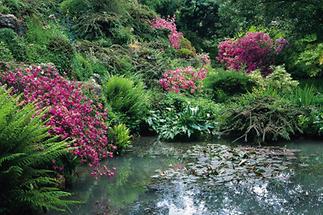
{"x":70,"y":113}
{"x":183,"y":79}
{"x":169,"y":24}
{"x":256,"y":50}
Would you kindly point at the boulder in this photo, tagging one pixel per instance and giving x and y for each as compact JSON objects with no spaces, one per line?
{"x":9,"y":21}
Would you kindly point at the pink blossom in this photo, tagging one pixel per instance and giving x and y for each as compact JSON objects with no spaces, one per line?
{"x":71,"y":114}
{"x":169,"y":24}
{"x":183,"y":80}
{"x":256,"y":50}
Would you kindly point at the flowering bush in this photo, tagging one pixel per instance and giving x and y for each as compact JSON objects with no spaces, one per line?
{"x":70,"y":115}
{"x":182,"y":79}
{"x":169,"y":24}
{"x":256,"y":50}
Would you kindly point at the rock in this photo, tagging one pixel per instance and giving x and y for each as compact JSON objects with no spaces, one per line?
{"x":11,"y":21}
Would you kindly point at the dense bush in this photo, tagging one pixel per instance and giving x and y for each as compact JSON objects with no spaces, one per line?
{"x":180,"y":116}
{"x":119,"y":19}
{"x":26,"y":151}
{"x":13,"y":43}
{"x":70,"y":115}
{"x":128,"y":99}
{"x":305,"y":57}
{"x":49,"y":44}
{"x":279,"y":80}
{"x":223,"y":84}
{"x":5,"y":53}
{"x":175,"y":37}
{"x":256,"y":50}
{"x":183,"y":80}
{"x":262,"y":117}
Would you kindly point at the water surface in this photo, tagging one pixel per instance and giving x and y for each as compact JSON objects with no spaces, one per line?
{"x":298,"y":190}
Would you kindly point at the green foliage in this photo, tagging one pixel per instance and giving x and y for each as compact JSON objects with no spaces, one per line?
{"x":13,"y":43}
{"x":262,"y":116}
{"x":122,"y":35}
{"x":5,"y":53}
{"x":120,"y":136}
{"x":26,"y":152}
{"x":142,"y":59}
{"x":49,"y":44}
{"x":279,"y":80}
{"x":304,"y":58}
{"x":223,"y":84}
{"x":305,"y":96}
{"x":119,"y":19}
{"x":180,"y":116}
{"x":311,"y":60}
{"x":60,"y":53}
{"x":128,"y":99}
{"x":319,"y":121}
{"x":82,"y":68}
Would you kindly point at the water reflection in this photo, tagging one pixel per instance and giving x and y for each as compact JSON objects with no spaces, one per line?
{"x":298,"y":190}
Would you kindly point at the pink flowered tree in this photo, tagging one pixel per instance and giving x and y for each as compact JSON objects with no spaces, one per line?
{"x":169,"y":24}
{"x":256,"y":50}
{"x":71,"y":115}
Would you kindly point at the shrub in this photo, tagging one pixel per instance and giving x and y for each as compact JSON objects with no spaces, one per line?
{"x":311,"y":60}
{"x":82,"y":68}
{"x":60,"y":53}
{"x":279,"y":80}
{"x":179,"y":116}
{"x":5,"y":53}
{"x":120,"y":136}
{"x":260,"y":117}
{"x":304,"y":58}
{"x":128,"y":100}
{"x":169,"y":24}
{"x":26,"y":151}
{"x":49,"y":44}
{"x":13,"y":43}
{"x":183,"y":80}
{"x":70,"y":115}
{"x":224,"y":84}
{"x":185,"y":53}
{"x":256,"y":50}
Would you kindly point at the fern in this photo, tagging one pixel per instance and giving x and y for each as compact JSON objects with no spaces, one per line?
{"x":26,"y":150}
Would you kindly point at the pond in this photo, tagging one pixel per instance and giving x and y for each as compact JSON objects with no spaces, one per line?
{"x":296,"y":189}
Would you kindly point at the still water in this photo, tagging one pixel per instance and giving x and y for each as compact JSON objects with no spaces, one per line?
{"x":297,"y":190}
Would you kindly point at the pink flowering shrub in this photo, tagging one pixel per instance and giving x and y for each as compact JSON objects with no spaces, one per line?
{"x":183,"y":80}
{"x":70,"y":113}
{"x":169,"y":24}
{"x":256,"y":50}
